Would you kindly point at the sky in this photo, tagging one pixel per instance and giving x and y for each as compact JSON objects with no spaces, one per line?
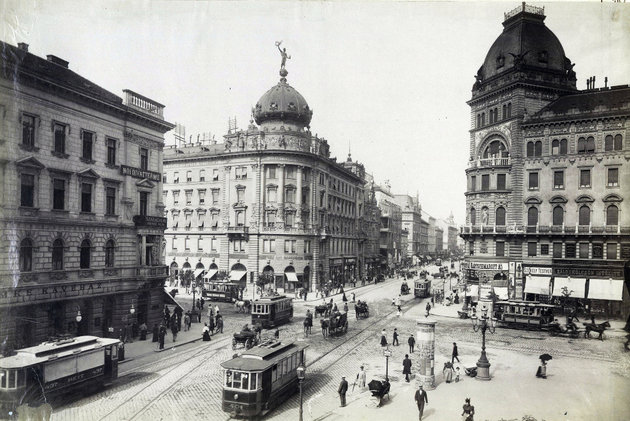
{"x":387,"y":81}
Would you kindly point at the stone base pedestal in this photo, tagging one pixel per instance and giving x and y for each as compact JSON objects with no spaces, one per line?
{"x":483,"y":371}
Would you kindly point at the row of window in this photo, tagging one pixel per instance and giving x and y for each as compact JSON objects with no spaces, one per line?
{"x":558,"y":211}
{"x":60,"y":146}
{"x":493,"y":114}
{"x":582,"y":250}
{"x":585,"y":145}
{"x":269,"y":246}
{"x":584,"y":179}
{"x":240,"y":173}
{"x":59,"y":251}
{"x":500,"y":182}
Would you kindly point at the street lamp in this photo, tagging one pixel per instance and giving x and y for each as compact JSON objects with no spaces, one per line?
{"x":301,"y":374}
{"x":132,"y":310}
{"x":481,"y":323}
{"x":387,"y":353}
{"x":79,"y":317}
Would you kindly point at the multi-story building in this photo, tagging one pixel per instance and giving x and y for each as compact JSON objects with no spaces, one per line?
{"x":548,"y":172}
{"x":439,"y":240}
{"x":391,"y":225}
{"x":81,"y":215}
{"x":424,"y":236}
{"x":268,"y":200}
{"x":411,"y":214}
{"x":452,"y":234}
{"x":430,"y":234}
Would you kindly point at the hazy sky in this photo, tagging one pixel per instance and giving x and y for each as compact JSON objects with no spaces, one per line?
{"x":390,"y":79}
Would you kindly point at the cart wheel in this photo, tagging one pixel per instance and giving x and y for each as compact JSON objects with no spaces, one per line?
{"x":233,"y":344}
{"x":248,"y":344}
{"x":345,"y":327}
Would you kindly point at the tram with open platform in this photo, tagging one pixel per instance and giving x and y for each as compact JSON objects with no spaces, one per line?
{"x":221,"y":291}
{"x":272,"y":311}
{"x":524,"y":314}
{"x":422,"y":288}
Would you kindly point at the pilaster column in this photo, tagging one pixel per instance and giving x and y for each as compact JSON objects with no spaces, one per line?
{"x":143,"y":251}
{"x":226,"y":202}
{"x":298,"y":198}
{"x":263,"y":195}
{"x":280,"y":216}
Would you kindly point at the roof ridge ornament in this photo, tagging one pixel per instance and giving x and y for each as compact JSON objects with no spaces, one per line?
{"x":285,"y":56}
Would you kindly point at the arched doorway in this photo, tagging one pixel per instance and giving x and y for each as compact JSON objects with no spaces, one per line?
{"x":83,"y":327}
{"x":291,"y":282}
{"x":238,"y":274}
{"x":267,"y":279}
{"x":306,"y":278}
{"x":173,"y":272}
{"x":199,"y":272}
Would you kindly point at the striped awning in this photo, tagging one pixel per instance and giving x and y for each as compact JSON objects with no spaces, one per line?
{"x":198,"y":272}
{"x":577,"y":287}
{"x":210,"y":273}
{"x":291,"y":276}
{"x":537,"y":285}
{"x":605,"y":289}
{"x":502,"y":292}
{"x":237,"y":275}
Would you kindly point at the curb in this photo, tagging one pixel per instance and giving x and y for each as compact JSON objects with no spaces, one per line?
{"x":161,"y":350}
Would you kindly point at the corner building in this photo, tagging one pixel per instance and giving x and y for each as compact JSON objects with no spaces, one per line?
{"x":548,"y":174}
{"x":81,"y":216}
{"x":268,"y":200}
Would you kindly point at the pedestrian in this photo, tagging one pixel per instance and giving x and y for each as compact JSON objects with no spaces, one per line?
{"x":174,"y":329}
{"x":455,"y":354}
{"x":428,"y":309}
{"x":407,"y":367}
{"x":205,"y":333}
{"x":276,"y":334}
{"x":542,"y":370}
{"x":412,"y":343}
{"x":361,"y":377}
{"x":399,"y":311}
{"x":344,"y":298}
{"x":395,"y":339}
{"x":211,"y":325}
{"x":457,"y":375}
{"x":345,"y":307}
{"x":216,"y":309}
{"x":353,"y":296}
{"x":143,"y":331}
{"x":162,"y":335}
{"x":156,"y":332}
{"x":421,"y":398}
{"x":447,"y":371}
{"x":199,"y":316}
{"x":343,"y":388}
{"x":469,"y":411}
{"x":202,"y":302}
{"x":305,"y":294}
{"x":219,"y":324}
{"x":383,"y":338}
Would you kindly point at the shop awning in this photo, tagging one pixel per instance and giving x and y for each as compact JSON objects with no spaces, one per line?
{"x":576,"y":285}
{"x":237,"y":275}
{"x":473,"y":291}
{"x":210,"y":273}
{"x":537,"y":285}
{"x":502,"y":292}
{"x":605,"y":289}
{"x":291,"y":276}
{"x":198,"y":272}
{"x":171,"y":303}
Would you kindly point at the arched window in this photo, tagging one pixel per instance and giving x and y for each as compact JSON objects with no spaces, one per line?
{"x":618,"y":143}
{"x":538,"y":148}
{"x":509,"y":109}
{"x":26,"y":255}
{"x":555,"y":147}
{"x":590,"y":144}
{"x":532,"y":216}
{"x":57,"y":254}
{"x":608,"y":143}
{"x":585,"y":215}
{"x":496,"y":148}
{"x":483,"y":119}
{"x":612,"y":215}
{"x":110,"y":248}
{"x":473,"y":217}
{"x":530,"y":149}
{"x":558,"y":215}
{"x":563,"y":147}
{"x":499,"y":217}
{"x":85,"y":252}
{"x":581,"y":145}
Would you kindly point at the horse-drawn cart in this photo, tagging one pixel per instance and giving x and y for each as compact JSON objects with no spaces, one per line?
{"x":361,"y":310}
{"x":323,"y":310}
{"x":335,"y":324}
{"x":247,"y":338}
{"x":404,"y":288}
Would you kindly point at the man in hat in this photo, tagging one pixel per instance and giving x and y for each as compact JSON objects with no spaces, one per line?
{"x":455,"y":354}
{"x":412,"y":343}
{"x":421,"y":399}
{"x":343,"y":388}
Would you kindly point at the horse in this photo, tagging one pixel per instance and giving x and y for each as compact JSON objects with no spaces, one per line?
{"x":324,"y":323}
{"x":242,"y":306}
{"x":599,"y":328}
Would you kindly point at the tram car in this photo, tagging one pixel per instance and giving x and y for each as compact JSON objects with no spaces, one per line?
{"x":524,"y":314}
{"x":422,"y":288}
{"x":221,"y":291}
{"x":273,"y":311}
{"x":261,"y":378}
{"x":33,"y":375}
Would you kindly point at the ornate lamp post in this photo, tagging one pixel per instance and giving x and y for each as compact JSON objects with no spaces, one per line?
{"x":481,"y":323}
{"x":387,"y":353}
{"x":301,"y":374}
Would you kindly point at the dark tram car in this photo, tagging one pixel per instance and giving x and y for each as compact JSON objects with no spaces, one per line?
{"x":272,"y":311}
{"x":261,"y":378}
{"x":53,"y":368}
{"x":422,"y":288}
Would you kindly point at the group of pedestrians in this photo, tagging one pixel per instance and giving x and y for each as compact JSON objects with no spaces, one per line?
{"x":214,"y":324}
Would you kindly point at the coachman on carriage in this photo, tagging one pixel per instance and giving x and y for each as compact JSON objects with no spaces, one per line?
{"x":245,"y":337}
{"x":335,"y":324}
{"x":361,"y":310}
{"x":404,"y":288}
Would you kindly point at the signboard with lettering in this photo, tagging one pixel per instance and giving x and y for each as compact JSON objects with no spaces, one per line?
{"x":150,"y":221}
{"x":139,"y":173}
{"x":539,"y":271}
{"x":484,"y":265}
{"x":75,"y":378}
{"x":483,"y":247}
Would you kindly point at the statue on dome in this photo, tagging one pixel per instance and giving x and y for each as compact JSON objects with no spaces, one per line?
{"x":519,"y":59}
{"x":283,"y":53}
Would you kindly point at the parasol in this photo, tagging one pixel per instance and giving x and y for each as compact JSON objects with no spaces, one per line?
{"x":375,"y":385}
{"x":545,"y":357}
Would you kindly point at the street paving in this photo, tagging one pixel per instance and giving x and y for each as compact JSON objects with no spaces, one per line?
{"x":185,"y":383}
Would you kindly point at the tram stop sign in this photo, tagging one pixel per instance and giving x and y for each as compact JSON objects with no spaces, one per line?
{"x":387,"y":353}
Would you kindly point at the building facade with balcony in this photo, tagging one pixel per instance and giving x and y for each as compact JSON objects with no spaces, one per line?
{"x":547,"y":172}
{"x":452,"y":234}
{"x":268,"y":201}
{"x":411,"y":215}
{"x":439,"y":240}
{"x":391,"y":226}
{"x":81,"y":218}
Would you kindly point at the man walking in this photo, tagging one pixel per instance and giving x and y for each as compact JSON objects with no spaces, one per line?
{"x":412,"y":343}
{"x":407,"y":367}
{"x":395,"y":339}
{"x":343,"y":388}
{"x":455,"y":354}
{"x":421,"y":398}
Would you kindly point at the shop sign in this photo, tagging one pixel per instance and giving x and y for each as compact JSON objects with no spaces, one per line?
{"x":142,"y":174}
{"x":589,"y":272}
{"x":534,"y":270}
{"x":47,"y":292}
{"x":484,"y":266}
{"x":350,"y":260}
{"x":337,"y":261}
{"x":483,"y":247}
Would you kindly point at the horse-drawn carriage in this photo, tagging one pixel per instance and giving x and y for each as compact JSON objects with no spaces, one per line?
{"x":404,"y":288}
{"x":335,"y":324}
{"x":597,"y":328}
{"x":323,"y":309}
{"x":361,"y":310}
{"x":247,"y":338}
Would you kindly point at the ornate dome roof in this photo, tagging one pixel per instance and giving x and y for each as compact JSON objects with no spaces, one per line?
{"x":525,"y":41}
{"x":283,"y":102}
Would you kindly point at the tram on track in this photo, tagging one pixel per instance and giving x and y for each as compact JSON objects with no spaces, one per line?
{"x":56,"y":367}
{"x":261,"y":378}
{"x":221,"y":291}
{"x":272,"y":311}
{"x":422,"y":288}
{"x":524,"y":314}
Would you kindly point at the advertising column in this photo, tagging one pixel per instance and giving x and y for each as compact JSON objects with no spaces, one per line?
{"x":426,"y":345}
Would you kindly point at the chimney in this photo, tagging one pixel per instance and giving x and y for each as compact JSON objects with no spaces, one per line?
{"x":606,"y":82}
{"x":593,"y":82}
{"x":57,"y":60}
{"x":23,"y":46}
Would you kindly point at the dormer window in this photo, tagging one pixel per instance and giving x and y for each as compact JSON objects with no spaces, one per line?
{"x":500,"y":61}
{"x":273,"y":106}
{"x":542,"y":57}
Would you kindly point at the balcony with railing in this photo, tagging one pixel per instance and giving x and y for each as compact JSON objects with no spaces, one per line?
{"x":490,"y":162}
{"x":144,"y":104}
{"x":544,"y":229}
{"x":60,"y":277}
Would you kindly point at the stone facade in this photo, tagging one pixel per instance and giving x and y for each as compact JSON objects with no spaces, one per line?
{"x":411,"y":213}
{"x":78,"y":164}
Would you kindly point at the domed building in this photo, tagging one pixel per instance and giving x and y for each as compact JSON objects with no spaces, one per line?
{"x":547,"y":174}
{"x":266,"y":205}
